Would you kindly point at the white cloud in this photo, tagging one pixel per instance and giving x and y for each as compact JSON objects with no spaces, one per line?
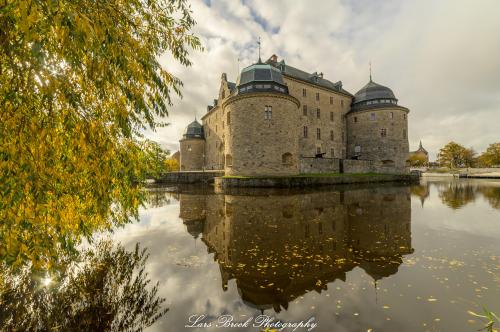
{"x":440,"y":58}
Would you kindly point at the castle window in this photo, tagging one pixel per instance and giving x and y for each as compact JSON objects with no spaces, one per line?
{"x":318,"y":133}
{"x":228,"y":118}
{"x":318,"y":150}
{"x":189,"y":148}
{"x":223,"y":94}
{"x":372,"y":116}
{"x":331,"y":135}
{"x":342,"y":103}
{"x":304,"y":110}
{"x":392,"y":115}
{"x":404,"y":116}
{"x":317,"y":95}
{"x":332,"y":152}
{"x":229,"y":160}
{"x":304,"y":92}
{"x":357,"y":149}
{"x":404,"y":133}
{"x":318,"y":113}
{"x":331,"y":116}
{"x":355,"y":119}
{"x":286,"y":158}
{"x":383,"y":132}
{"x":268,"y":113}
{"x":331,"y":100}
{"x":305,"y":131}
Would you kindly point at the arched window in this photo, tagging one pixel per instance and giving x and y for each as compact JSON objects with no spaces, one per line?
{"x":229,"y":160}
{"x":287,"y":158}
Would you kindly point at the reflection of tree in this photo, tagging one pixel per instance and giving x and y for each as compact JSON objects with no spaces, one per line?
{"x":492,"y":195}
{"x":457,"y":195}
{"x":158,"y":198}
{"x":107,"y":291}
{"x":421,"y":191}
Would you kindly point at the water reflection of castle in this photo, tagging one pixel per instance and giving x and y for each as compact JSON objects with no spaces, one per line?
{"x":280,"y":246}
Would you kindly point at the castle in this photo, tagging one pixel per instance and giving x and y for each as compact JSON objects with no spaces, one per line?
{"x":278,"y":120}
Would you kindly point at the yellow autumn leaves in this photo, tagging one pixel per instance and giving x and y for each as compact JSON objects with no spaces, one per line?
{"x":78,"y":82}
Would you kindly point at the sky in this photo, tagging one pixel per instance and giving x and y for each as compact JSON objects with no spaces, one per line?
{"x":441,"y":58}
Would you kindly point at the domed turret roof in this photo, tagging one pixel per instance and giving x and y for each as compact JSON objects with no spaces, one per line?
{"x":193,"y":130}
{"x":371,"y":91}
{"x":260,"y":72}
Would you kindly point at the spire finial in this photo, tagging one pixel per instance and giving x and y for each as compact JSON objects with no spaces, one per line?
{"x":420,"y":145}
{"x":370,"y":70}
{"x":258,"y":43}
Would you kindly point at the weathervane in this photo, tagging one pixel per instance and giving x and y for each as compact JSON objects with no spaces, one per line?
{"x":258,"y":43}
{"x":370,"y":70}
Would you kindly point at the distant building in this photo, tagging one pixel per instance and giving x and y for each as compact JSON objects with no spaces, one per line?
{"x":177,"y":156}
{"x":420,"y":152}
{"x":276,"y":118}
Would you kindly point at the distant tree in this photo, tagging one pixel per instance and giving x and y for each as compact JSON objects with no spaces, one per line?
{"x":417,"y":160}
{"x":155,"y":158}
{"x":171,"y":165}
{"x":491,"y":157}
{"x":454,"y":155}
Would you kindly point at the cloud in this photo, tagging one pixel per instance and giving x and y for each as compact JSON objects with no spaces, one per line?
{"x":440,"y":58}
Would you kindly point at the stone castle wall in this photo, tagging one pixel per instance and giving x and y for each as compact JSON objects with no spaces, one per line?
{"x":192,"y":154}
{"x":241,"y":141}
{"x":370,"y":166}
{"x":329,"y":102}
{"x":319,"y":165}
{"x":380,"y":135}
{"x":255,"y":145}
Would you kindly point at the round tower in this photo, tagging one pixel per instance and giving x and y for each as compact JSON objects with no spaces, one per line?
{"x":377,"y":128}
{"x":192,"y":151}
{"x":262,"y":121}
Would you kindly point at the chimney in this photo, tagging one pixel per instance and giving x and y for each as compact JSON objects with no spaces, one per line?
{"x":321,"y":74}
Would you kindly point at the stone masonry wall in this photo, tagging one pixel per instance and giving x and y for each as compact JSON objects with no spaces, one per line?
{"x":192,"y":152}
{"x":329,"y":102}
{"x":370,"y":166}
{"x":256,"y":145}
{"x":319,"y":165}
{"x":366,"y":129}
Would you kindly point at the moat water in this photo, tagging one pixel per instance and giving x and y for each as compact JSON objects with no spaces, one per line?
{"x":382,"y":257}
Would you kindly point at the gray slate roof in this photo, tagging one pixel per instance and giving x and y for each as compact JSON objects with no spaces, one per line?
{"x":313,"y":78}
{"x":260,"y":72}
{"x":193,"y":130}
{"x":371,"y":91}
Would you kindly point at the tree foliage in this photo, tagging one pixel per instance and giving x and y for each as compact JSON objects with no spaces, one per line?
{"x":79,"y":80}
{"x":454,"y":155}
{"x":171,"y":165}
{"x":417,"y":160}
{"x":491,"y":157}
